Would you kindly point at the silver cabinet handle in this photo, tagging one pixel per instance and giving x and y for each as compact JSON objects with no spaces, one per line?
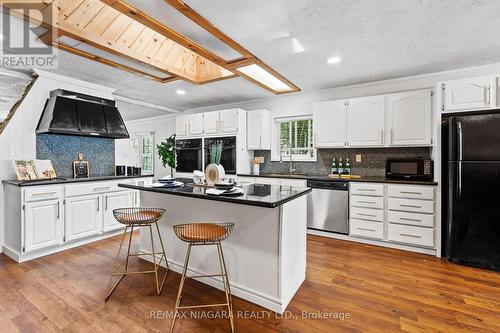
{"x":412,"y":206}
{"x":410,"y":192}
{"x":43,"y":194}
{"x":408,"y":219}
{"x":363,"y":214}
{"x":392,"y":135}
{"x":366,"y":229}
{"x":106,"y":203}
{"x":101,"y":188}
{"x":410,"y":235}
{"x":366,"y":190}
{"x":98,"y":204}
{"x":488,"y":95}
{"x":368,"y":202}
{"x":381,"y":136}
{"x":58,"y":210}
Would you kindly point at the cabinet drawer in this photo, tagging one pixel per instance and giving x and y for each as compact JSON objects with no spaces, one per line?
{"x":37,"y":193}
{"x":411,"y":205}
{"x":366,"y":229}
{"x":367,"y":189}
{"x":411,"y":192}
{"x":95,"y":188}
{"x":367,"y":202}
{"x":421,"y":220}
{"x":367,"y":214}
{"x":411,"y":235}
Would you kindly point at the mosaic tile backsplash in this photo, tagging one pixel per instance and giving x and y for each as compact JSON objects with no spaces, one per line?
{"x":62,"y":150}
{"x":372,"y":160}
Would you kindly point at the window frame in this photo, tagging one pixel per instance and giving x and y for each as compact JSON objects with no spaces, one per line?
{"x":138,"y":154}
{"x":276,"y":140}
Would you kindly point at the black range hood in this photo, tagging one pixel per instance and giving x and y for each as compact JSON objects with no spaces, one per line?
{"x":71,"y":113}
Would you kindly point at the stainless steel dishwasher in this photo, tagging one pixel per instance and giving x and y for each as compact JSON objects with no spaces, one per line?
{"x":328,"y":206}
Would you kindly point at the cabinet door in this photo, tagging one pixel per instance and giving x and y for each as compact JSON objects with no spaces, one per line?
{"x":83,"y":216}
{"x":113,"y":201}
{"x":211,"y":122}
{"x":195,"y":124}
{"x":42,"y":225}
{"x":254,"y":130}
{"x":366,"y":121}
{"x":471,"y":93}
{"x":329,"y":120}
{"x":181,"y":125}
{"x":410,"y":118}
{"x":229,"y":121}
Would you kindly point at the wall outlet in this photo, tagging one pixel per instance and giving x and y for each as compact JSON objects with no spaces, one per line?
{"x":14,"y":151}
{"x":358,"y":158}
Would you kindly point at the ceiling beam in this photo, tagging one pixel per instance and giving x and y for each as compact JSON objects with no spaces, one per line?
{"x":145,"y":104}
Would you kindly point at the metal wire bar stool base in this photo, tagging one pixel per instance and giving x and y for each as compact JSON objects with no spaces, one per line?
{"x":223,"y":274}
{"x":121,"y":274}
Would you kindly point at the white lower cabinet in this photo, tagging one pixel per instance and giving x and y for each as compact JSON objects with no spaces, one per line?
{"x":83,"y":216}
{"x":399,"y":214}
{"x":43,"y":224}
{"x":113,"y":201}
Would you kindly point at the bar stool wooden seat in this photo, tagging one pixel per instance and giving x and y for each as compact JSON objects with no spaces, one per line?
{"x":204,"y":234}
{"x":135,"y":218}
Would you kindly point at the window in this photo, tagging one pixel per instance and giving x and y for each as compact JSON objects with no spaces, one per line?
{"x":295,"y":137}
{"x":143,"y":147}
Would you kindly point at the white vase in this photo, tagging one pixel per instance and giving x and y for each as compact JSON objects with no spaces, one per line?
{"x":214,"y":173}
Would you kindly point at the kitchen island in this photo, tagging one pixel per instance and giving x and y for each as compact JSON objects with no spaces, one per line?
{"x":266,"y":252}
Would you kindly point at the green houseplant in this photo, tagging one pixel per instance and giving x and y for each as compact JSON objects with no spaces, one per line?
{"x":166,"y":152}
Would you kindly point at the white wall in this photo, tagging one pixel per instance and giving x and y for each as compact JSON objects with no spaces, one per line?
{"x":19,"y":135}
{"x":163,"y":127}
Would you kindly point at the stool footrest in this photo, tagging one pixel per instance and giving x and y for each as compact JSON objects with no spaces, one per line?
{"x":202,"y":306}
{"x":204,"y":276}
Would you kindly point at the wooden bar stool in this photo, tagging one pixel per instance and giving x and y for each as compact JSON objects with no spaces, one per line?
{"x":204,"y":234}
{"x":135,"y":218}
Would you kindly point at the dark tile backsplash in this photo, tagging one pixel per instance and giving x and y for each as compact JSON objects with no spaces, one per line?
{"x":62,"y":150}
{"x":372,"y":160}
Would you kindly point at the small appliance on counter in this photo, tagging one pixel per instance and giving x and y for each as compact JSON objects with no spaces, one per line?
{"x":410,"y":168}
{"x":136,"y":171}
{"x":121,"y":170}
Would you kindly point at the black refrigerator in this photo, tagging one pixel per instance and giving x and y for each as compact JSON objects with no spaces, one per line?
{"x":472,"y":193}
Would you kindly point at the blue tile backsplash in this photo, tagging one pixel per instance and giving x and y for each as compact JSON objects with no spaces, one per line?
{"x":62,"y":150}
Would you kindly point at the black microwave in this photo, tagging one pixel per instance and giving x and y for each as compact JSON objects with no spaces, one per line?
{"x":410,"y":168}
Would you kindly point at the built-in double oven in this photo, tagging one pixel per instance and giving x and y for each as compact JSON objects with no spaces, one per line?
{"x":194,"y":154}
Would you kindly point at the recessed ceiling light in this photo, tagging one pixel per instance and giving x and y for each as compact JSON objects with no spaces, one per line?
{"x":297,"y":46}
{"x":180,"y":92}
{"x":333,"y":60}
{"x":262,"y":76}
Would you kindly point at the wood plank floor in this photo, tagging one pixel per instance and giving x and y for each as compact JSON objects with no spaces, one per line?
{"x":380,"y":290}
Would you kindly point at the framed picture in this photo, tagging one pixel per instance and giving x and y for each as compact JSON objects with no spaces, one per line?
{"x":81,"y":169}
{"x":44,"y":169}
{"x":25,"y":170}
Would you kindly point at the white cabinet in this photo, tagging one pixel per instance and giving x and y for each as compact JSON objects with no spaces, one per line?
{"x":181,"y":125}
{"x":259,"y":129}
{"x":329,"y":121}
{"x":366,"y":121}
{"x":211,"y":123}
{"x":410,"y":118}
{"x":42,"y":225}
{"x":470,"y":94}
{"x":113,"y":201}
{"x":228,"y":121}
{"x":83,"y":216}
{"x":189,"y":125}
{"x":195,"y":124}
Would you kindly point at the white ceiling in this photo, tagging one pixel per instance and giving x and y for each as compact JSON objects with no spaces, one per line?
{"x":376,"y":39}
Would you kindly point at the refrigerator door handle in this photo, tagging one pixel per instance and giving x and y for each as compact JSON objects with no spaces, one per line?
{"x":459,"y":174}
{"x":460,"y":141}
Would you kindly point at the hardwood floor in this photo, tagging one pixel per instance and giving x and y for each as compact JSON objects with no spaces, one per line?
{"x":381,"y":290}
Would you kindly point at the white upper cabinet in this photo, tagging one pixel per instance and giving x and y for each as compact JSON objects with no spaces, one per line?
{"x":329,"y":121}
{"x":195,"y":124}
{"x":43,"y":225}
{"x":211,"y":122}
{"x":181,"y":125}
{"x":83,"y":216}
{"x":410,"y":118}
{"x":366,"y":121}
{"x":470,"y":94}
{"x":259,"y":129}
{"x":228,"y":121}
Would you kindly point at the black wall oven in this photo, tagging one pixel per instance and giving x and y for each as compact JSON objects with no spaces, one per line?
{"x":228,"y":157}
{"x":189,"y":155}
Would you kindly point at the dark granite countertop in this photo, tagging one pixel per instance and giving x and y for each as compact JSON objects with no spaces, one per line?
{"x":326,"y":178}
{"x":23,"y":183}
{"x":260,"y":195}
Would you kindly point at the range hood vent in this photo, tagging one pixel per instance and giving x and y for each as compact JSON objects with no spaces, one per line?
{"x":71,"y":113}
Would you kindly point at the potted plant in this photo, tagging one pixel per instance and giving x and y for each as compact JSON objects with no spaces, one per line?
{"x":166,"y":152}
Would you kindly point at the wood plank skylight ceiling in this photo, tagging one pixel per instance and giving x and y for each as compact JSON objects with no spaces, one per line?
{"x":115,"y":33}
